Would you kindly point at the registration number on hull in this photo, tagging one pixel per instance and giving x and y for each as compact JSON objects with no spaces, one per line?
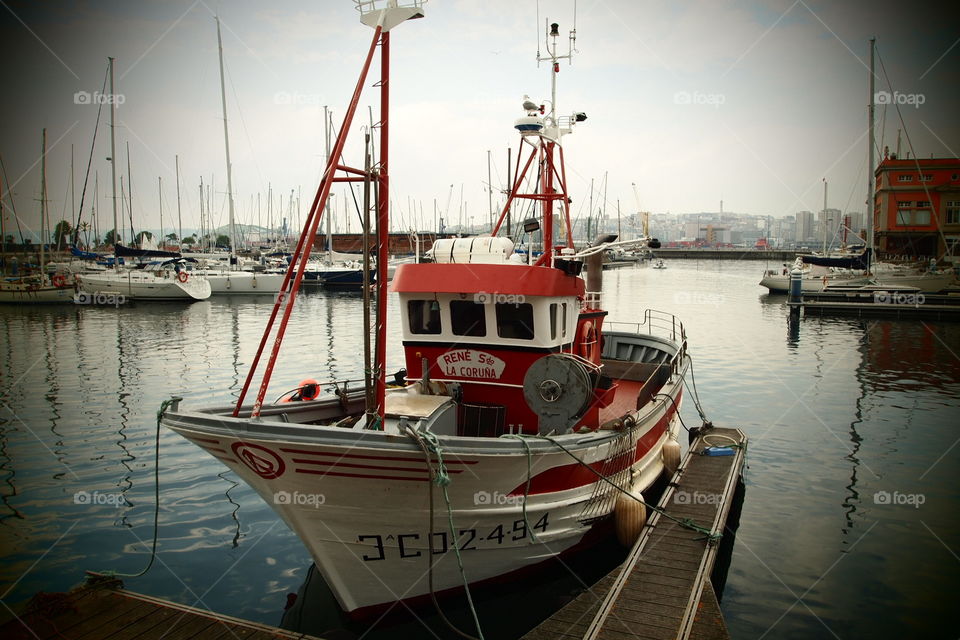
{"x":405,"y":545}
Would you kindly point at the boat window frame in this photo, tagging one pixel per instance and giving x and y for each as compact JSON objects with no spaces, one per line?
{"x":455,"y":318}
{"x":502,"y":323}
{"x":436,"y":314}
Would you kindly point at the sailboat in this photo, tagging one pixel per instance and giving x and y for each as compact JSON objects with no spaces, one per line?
{"x":820,"y":271}
{"x":526,"y":424}
{"x":165,"y":279}
{"x":230,"y":279}
{"x":38,"y":287}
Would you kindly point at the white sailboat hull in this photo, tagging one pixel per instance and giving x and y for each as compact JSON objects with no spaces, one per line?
{"x":145,"y":285}
{"x":242,"y":282}
{"x":926,"y":282}
{"x":811,"y":284}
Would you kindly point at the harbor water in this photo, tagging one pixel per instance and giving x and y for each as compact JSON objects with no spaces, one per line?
{"x":850,"y":526}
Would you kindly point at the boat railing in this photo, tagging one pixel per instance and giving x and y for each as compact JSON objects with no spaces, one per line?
{"x":656,"y":323}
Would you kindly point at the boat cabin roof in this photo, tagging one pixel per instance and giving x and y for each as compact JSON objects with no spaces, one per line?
{"x":517,"y":279}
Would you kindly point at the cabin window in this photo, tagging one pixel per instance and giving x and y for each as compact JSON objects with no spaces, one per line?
{"x":563,"y":324}
{"x":468,"y":318}
{"x":554,"y":312}
{"x":515,"y":321}
{"x":424,"y":316}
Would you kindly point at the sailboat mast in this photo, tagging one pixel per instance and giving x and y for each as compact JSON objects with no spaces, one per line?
{"x":176,"y":160}
{"x":824,"y":249}
{"x":226,"y":145}
{"x":43,"y":202}
{"x":113,"y":157}
{"x":326,"y":130}
{"x":870,"y":169}
{"x":160,"y":203}
{"x":133,"y":233}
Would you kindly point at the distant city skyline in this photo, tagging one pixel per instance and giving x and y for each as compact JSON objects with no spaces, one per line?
{"x":752,"y":103}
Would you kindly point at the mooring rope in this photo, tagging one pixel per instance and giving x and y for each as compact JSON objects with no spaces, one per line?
{"x":711,"y":536}
{"x":156,"y":503}
{"x":429,"y":442}
{"x":526,"y":487}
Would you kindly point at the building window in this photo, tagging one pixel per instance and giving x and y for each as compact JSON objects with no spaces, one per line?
{"x":905,"y":204}
{"x":515,"y":321}
{"x":927,"y":177}
{"x":922,"y":203}
{"x":468,"y":318}
{"x":913,"y":217}
{"x":423,"y":316}
{"x":905,"y":178}
{"x":953,"y":211}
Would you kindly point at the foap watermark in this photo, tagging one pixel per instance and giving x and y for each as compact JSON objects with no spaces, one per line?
{"x":296,"y":98}
{"x":696,"y":97}
{"x":885,"y":97}
{"x":695,"y":497}
{"x":698,"y":297}
{"x":99,"y":298}
{"x":301,"y":499}
{"x":85,"y":97}
{"x":483,"y":297}
{"x":481,"y":498}
{"x":112,"y":499}
{"x":912,"y":499}
{"x":898,"y":297}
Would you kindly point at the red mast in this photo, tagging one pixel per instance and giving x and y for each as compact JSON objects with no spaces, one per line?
{"x":382,"y":20}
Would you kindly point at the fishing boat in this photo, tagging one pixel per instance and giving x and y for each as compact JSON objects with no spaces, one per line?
{"x":526,"y":425}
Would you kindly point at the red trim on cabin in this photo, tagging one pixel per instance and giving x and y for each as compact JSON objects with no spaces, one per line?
{"x":516,"y":279}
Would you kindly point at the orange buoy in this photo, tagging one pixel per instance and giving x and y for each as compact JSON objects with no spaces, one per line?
{"x":183,"y":276}
{"x":309,"y":390}
{"x":629,"y":516}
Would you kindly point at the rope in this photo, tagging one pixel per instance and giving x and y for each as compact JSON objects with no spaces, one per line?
{"x":686,"y":523}
{"x":526,"y":488}
{"x":696,"y":396}
{"x":428,"y":442}
{"x":156,"y":503}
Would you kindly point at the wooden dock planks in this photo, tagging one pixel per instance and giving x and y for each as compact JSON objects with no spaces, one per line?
{"x":105,"y":611}
{"x":663,"y":589}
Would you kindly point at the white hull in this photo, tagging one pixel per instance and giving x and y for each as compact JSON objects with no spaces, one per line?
{"x":811,"y":284}
{"x":358,"y":498}
{"x":145,"y":285}
{"x":926,"y":282}
{"x":241,"y":282}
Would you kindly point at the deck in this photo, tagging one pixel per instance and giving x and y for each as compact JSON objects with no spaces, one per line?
{"x":663,"y":590}
{"x":104,"y":610}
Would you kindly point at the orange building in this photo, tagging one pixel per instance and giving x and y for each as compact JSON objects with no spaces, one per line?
{"x":913,"y":206}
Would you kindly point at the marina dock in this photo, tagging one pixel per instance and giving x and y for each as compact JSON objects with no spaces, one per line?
{"x":105,"y":610}
{"x":872,"y":304}
{"x":663,"y":590}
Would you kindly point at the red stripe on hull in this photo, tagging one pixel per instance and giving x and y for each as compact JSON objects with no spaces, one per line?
{"x":355,"y":455}
{"x":337,"y":465}
{"x":572,"y":476}
{"x":357,"y":475}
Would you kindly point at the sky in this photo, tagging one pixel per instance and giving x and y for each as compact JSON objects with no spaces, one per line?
{"x":751,"y":103}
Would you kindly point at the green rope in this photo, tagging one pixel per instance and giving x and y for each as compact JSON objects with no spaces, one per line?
{"x":156,"y":503}
{"x":526,"y":488}
{"x":686,"y":523}
{"x":442,"y":478}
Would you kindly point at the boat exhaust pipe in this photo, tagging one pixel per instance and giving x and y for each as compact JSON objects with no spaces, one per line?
{"x":595,"y":266}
